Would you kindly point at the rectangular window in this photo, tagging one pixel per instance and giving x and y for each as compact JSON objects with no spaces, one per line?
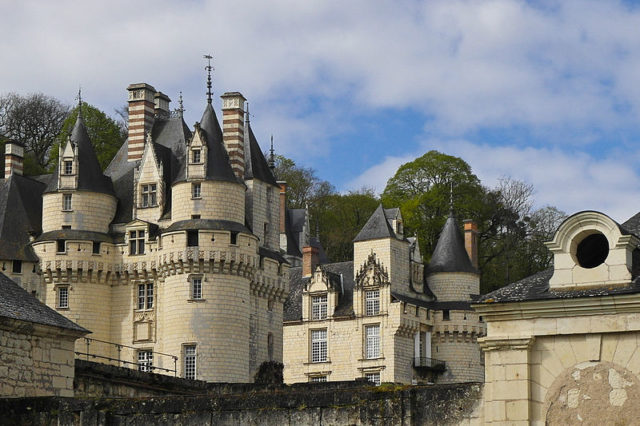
{"x":145,"y":296}
{"x":136,"y":242}
{"x":234,"y":238}
{"x":373,"y":378}
{"x":68,"y":167}
{"x":195,"y":155}
{"x":66,"y":202}
{"x":192,"y":238}
{"x":61,"y":246}
{"x":149,"y":195}
{"x":196,"y":190}
{"x":372,"y":302}
{"x":319,"y":307}
{"x":63,"y":297}
{"x":145,"y":361}
{"x":319,"y":345}
{"x":318,"y":379}
{"x":372,"y":341}
{"x":96,"y":247}
{"x":266,"y":232}
{"x":17,"y":267}
{"x":445,"y":315}
{"x":190,"y":362}
{"x":196,"y":288}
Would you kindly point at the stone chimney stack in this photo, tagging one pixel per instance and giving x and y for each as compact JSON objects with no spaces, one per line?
{"x":161,"y":105}
{"x":309,"y":260}
{"x":233,"y":130}
{"x":141,"y":116}
{"x":13,"y":158}
{"x":471,"y":241}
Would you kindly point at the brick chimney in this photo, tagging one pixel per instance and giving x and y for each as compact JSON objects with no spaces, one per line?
{"x":141,"y":116}
{"x":233,"y":130}
{"x":309,"y":260}
{"x":161,"y":105}
{"x":283,"y":205}
{"x":13,"y":158}
{"x":471,"y":241}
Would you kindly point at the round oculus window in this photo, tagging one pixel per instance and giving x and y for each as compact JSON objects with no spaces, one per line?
{"x":592,"y":251}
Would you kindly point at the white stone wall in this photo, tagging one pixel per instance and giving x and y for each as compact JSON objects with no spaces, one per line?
{"x":37,"y":363}
{"x":91,"y":211}
{"x":454,"y":286}
{"x":220,"y":200}
{"x":29,"y":279}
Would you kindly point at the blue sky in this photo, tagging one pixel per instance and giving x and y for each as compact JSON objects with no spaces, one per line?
{"x":546,"y":92}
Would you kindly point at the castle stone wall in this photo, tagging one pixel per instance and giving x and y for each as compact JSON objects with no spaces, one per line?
{"x":219,"y":200}
{"x":454,"y":286}
{"x":90,"y":211}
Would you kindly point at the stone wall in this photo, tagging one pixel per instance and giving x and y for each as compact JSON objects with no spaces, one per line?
{"x":34,"y":360}
{"x":323,"y":403}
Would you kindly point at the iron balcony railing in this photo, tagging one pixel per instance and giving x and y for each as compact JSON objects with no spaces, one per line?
{"x":96,"y":349}
{"x":431,"y":363}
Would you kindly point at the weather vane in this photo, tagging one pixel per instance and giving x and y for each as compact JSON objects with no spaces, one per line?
{"x":180,"y":105}
{"x":209,"y":68}
{"x":79,"y":98}
{"x":451,"y":196}
{"x":272,"y":160}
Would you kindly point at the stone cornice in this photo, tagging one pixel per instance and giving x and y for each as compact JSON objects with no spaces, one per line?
{"x":557,"y":308}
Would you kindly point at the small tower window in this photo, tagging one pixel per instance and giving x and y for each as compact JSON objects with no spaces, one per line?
{"x":270,"y":346}
{"x":61,"y":246}
{"x":66,"y":202}
{"x":96,"y":247}
{"x":68,"y":167}
{"x":372,"y":302}
{"x":145,"y":296}
{"x":234,"y":238}
{"x":445,"y":315}
{"x":136,"y":242}
{"x":196,"y":190}
{"x":196,"y":288}
{"x":17,"y":267}
{"x":63,"y":297}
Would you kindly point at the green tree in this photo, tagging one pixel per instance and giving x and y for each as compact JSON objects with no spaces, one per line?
{"x":105,"y":134}
{"x":303,"y":186}
{"x":35,"y":120}
{"x":341,"y":218}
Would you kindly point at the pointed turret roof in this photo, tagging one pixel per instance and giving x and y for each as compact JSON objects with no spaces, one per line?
{"x":377,"y":226}
{"x":256,"y":166}
{"x":90,"y":177}
{"x":450,"y":254}
{"x":218,"y":165}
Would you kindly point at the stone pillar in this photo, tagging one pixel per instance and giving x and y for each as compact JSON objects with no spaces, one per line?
{"x":13,"y":158}
{"x":141,"y":117}
{"x":471,"y":241}
{"x":507,"y":393}
{"x":233,"y":130}
{"x":309,"y":260}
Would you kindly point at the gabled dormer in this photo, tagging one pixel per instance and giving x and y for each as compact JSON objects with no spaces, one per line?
{"x":149,"y":191}
{"x":321,"y":295}
{"x":196,"y":155}
{"x":68,"y":166}
{"x":371,"y":293}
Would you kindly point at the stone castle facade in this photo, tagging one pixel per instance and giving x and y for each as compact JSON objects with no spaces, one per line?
{"x":384,"y":316}
{"x":173,"y":250}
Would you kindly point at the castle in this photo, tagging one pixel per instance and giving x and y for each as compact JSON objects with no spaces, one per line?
{"x":173,"y":251}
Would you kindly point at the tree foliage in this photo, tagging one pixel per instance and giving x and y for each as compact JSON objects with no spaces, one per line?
{"x":106,"y":135}
{"x":35,"y":120}
{"x":511,"y":235}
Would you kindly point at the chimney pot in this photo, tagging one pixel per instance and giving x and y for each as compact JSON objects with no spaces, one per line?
{"x":309,"y":260}
{"x":233,"y":130}
{"x":141,"y":117}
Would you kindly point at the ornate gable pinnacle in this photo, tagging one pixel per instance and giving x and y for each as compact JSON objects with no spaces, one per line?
{"x":372,"y":273}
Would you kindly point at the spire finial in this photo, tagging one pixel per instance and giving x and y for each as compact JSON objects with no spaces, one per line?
{"x":247,"y":114}
{"x":272,"y":157}
{"x":180,"y":105}
{"x":209,"y":68}
{"x":79,"y":99}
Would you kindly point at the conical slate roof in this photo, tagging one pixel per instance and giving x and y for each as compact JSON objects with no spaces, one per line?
{"x":376,"y":227}
{"x":218,"y":165}
{"x":90,"y":177}
{"x":450,"y":254}
{"x":256,"y":166}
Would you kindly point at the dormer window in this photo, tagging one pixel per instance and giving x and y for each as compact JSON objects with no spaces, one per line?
{"x":319,"y":307}
{"x":68,"y":167}
{"x":592,"y":251}
{"x":149,"y":195}
{"x":372,"y":302}
{"x":399,"y":227}
{"x":136,"y":242}
{"x":195,"y":156}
